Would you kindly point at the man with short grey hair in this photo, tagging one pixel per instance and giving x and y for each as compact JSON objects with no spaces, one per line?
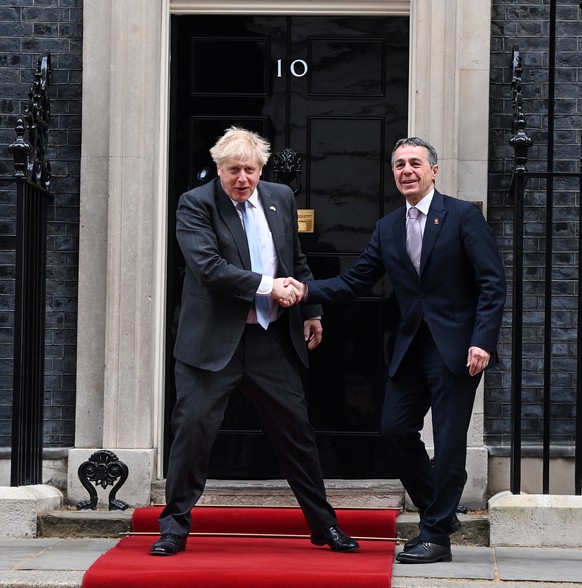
{"x":442,"y":260}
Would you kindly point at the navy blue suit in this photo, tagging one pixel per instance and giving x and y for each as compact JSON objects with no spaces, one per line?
{"x":454,"y":303}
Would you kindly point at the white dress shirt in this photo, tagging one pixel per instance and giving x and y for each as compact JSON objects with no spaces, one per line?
{"x":422,"y":206}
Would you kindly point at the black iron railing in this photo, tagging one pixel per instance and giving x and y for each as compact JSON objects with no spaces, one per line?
{"x":521,"y":143}
{"x":32,"y":173}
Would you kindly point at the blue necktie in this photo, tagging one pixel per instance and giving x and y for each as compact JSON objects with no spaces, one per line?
{"x":261,"y":302}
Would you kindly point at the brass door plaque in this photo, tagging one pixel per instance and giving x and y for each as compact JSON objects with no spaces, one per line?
{"x":306,"y":220}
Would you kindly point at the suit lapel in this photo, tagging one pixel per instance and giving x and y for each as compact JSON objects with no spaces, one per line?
{"x":434,"y":222}
{"x":231,"y":219}
{"x":400,"y":234}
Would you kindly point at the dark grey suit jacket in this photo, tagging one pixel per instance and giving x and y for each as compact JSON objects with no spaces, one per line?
{"x":219,"y":285}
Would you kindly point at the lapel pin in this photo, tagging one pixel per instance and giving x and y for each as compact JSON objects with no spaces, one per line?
{"x":272,"y":208}
{"x":437,"y":221}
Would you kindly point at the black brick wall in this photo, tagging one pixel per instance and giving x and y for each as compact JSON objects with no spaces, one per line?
{"x":526,"y":24}
{"x":29,"y":28}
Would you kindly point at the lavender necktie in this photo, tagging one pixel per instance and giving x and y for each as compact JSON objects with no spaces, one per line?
{"x":261,"y":302}
{"x":414,"y":237}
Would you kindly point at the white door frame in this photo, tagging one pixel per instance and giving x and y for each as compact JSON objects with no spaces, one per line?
{"x":124,"y":167}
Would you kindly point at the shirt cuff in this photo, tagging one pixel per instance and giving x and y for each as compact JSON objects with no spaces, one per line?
{"x":265,"y":287}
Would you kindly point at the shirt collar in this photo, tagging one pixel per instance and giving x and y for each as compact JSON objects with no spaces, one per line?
{"x":423,"y":205}
{"x":254,"y":199}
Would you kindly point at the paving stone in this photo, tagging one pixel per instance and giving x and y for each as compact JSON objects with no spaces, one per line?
{"x":539,"y":564}
{"x":475,"y":563}
{"x":69,"y":555}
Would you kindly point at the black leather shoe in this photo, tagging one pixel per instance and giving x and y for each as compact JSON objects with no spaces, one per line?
{"x":168,"y":544}
{"x":455,"y":526}
{"x":425,"y":552}
{"x":335,"y":538}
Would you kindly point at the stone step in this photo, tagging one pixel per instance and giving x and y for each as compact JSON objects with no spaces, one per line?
{"x":103,"y":523}
{"x":68,"y":522}
{"x":474,"y":530}
{"x":340,"y":493}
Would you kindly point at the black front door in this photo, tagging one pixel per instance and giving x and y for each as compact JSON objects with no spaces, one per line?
{"x":334,"y":90}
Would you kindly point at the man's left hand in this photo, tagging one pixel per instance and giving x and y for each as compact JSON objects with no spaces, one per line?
{"x":477,"y":360}
{"x":313,"y":333}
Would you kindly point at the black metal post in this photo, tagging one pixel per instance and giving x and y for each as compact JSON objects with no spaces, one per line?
{"x":32,"y":174}
{"x":520,"y":143}
{"x":578,"y":436}
{"x":28,"y":385}
{"x":548,"y":294}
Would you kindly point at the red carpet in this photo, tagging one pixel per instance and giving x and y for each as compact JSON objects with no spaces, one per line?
{"x":250,"y":562}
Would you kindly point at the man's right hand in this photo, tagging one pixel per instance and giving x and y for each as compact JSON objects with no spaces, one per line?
{"x":300,"y":287}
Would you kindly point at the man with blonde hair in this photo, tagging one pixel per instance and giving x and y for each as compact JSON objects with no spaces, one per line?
{"x":239,"y":237}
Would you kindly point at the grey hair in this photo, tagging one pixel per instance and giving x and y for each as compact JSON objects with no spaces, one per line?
{"x":241,"y":145}
{"x":431,"y":153}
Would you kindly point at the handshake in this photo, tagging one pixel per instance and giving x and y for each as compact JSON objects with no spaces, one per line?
{"x":288,"y":291}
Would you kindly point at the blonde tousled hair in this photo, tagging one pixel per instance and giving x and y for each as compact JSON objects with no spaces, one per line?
{"x":240,"y":145}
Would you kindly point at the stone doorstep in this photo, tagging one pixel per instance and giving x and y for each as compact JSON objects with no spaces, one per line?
{"x":103,"y":523}
{"x":341,"y":493}
{"x":68,"y":522}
